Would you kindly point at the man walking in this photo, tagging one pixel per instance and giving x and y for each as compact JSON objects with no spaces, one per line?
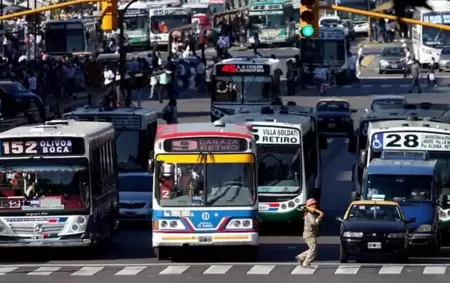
{"x":312,"y":219}
{"x":415,"y":76}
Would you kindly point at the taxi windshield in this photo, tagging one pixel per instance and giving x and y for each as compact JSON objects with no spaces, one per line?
{"x":387,"y":104}
{"x":367,"y":212}
{"x":205,"y":184}
{"x":413,"y":188}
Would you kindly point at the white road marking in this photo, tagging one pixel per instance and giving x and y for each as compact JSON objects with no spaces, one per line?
{"x":301,"y":270}
{"x":87,"y":271}
{"x":44,"y":271}
{"x":366,"y":86}
{"x":174,"y":270}
{"x":391,"y":270}
{"x":5,"y":270}
{"x":385,"y":86}
{"x":347,"y":269}
{"x":218,"y":269}
{"x":261,"y":269}
{"x":405,"y":85}
{"x":130,"y":270}
{"x":434,"y":270}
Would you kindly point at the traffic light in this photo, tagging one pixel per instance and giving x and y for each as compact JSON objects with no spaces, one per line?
{"x":109,"y":15}
{"x":309,"y":18}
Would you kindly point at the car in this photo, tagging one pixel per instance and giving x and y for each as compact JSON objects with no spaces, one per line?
{"x":387,"y":102}
{"x":21,"y":100}
{"x":351,"y":30}
{"x":444,"y":60}
{"x":333,"y":21}
{"x":361,"y":28}
{"x":390,"y":60}
{"x":334,"y":116}
{"x":135,"y":196}
{"x":374,"y":229}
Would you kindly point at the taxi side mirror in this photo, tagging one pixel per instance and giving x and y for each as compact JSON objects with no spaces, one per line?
{"x":410,"y":220}
{"x":362,"y":158}
{"x":339,"y":219}
{"x":366,"y":110}
{"x":354,"y":110}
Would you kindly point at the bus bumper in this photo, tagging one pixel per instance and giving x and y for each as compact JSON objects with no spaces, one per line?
{"x":293,"y":216}
{"x":45,"y":243}
{"x":197,"y":239}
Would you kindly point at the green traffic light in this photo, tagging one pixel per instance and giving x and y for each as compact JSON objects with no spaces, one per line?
{"x":307,"y":31}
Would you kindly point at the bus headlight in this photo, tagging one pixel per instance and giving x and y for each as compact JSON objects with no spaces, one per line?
{"x":425,"y":228}
{"x":163,"y":224}
{"x":384,"y":63}
{"x":291,"y":204}
{"x":81,"y":220}
{"x":75,"y":227}
{"x":171,"y":225}
{"x":240,"y":224}
{"x":283,"y":206}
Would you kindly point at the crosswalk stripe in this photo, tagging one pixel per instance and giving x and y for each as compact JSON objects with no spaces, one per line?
{"x":44,"y":271}
{"x":87,"y":271}
{"x":174,"y":270}
{"x":217,"y":269}
{"x":405,"y":85}
{"x":434,"y":270}
{"x":5,"y":270}
{"x":261,"y":269}
{"x":366,"y":86}
{"x":385,"y":86}
{"x":130,"y":270}
{"x":391,"y":270}
{"x":347,"y":269}
{"x":301,"y":270}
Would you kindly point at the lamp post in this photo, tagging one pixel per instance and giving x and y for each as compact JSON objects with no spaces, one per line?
{"x":122,"y":51}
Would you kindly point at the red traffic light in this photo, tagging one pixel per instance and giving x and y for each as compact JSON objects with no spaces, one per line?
{"x":308,"y":2}
{"x":307,"y":16}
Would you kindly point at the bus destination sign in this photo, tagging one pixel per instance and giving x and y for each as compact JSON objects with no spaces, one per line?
{"x":205,"y":144}
{"x":251,"y":69}
{"x":42,"y":146}
{"x":277,"y":135}
{"x":425,"y":141}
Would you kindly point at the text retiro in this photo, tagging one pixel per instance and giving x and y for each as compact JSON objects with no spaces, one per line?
{"x":281,"y":135}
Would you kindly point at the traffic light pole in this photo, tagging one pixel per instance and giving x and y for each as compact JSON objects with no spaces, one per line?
{"x":122,"y":51}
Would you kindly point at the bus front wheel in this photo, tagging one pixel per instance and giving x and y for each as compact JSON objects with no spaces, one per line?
{"x":162,"y":253}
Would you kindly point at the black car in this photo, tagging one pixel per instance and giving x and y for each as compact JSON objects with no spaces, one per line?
{"x":391,"y":60}
{"x":374,"y":229}
{"x":18,"y":100}
{"x":334,"y":117}
{"x":444,"y":60}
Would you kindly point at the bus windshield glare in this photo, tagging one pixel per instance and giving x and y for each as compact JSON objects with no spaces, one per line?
{"x":243,"y":89}
{"x":127,"y":155}
{"x":400,"y":188}
{"x":278,"y":169}
{"x":268,"y":21}
{"x":44,"y":184}
{"x":163,"y":24}
{"x":432,"y":37}
{"x":205,"y":184}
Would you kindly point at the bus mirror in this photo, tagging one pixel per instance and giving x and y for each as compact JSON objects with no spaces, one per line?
{"x":362,"y":158}
{"x":323,"y":144}
{"x":443,"y":201}
{"x":151,"y":165}
{"x":352,"y":145}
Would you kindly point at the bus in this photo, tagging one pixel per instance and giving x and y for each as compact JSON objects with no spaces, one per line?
{"x":427,"y":42}
{"x":289,"y":164}
{"x":268,"y":19}
{"x":135,"y":133}
{"x":58,"y":185}
{"x":359,"y":142}
{"x":330,"y":45}
{"x":205,"y":188}
{"x":239,"y":82}
{"x":137,"y":24}
{"x":165,"y":19}
{"x":78,"y":37}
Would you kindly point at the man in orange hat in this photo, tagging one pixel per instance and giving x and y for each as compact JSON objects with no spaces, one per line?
{"x":312,"y":219}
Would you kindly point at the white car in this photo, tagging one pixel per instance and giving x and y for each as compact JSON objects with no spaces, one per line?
{"x":333,"y":21}
{"x":361,"y":28}
{"x":135,"y":196}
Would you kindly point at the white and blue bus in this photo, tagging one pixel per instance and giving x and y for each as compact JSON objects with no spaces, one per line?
{"x":205,"y":188}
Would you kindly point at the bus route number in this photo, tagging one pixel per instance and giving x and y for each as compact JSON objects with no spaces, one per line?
{"x":396,"y":140}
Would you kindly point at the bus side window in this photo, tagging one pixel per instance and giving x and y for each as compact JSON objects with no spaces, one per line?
{"x":96,"y":184}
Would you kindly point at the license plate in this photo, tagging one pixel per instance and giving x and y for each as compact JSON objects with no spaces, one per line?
{"x":205,"y":239}
{"x":263,"y":207}
{"x":394,"y":66}
{"x":374,"y":245}
{"x":332,"y":126}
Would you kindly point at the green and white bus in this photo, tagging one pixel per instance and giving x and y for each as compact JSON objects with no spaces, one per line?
{"x":137,"y":24}
{"x":273,"y":21}
{"x":289,"y":166}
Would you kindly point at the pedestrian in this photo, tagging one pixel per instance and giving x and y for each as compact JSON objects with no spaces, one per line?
{"x":407,"y":60}
{"x":415,"y":76}
{"x":312,"y":219}
{"x":431,"y":78}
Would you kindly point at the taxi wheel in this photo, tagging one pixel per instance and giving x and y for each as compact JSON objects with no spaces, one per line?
{"x":162,"y":253}
{"x":343,"y":256}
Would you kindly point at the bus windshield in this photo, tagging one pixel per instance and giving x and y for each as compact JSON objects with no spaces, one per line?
{"x":316,"y":51}
{"x":400,"y":188}
{"x":44,"y":184}
{"x":65,"y":40}
{"x":271,"y":20}
{"x":243,"y":89}
{"x":279,"y":169}
{"x":135,"y":23}
{"x":127,"y":148}
{"x":205,"y":184}
{"x":433,"y":37}
{"x":164,"y":23}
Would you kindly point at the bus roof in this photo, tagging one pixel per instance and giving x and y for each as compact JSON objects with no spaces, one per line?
{"x":269,"y":119}
{"x":401,"y":167}
{"x":409,"y":124}
{"x":58,"y":128}
{"x":436,"y":5}
{"x":203,"y":129}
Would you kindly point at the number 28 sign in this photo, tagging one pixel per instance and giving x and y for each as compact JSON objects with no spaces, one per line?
{"x":411,"y":141}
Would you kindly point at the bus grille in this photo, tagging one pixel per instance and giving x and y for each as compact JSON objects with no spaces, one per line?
{"x":119,"y":121}
{"x":29,"y":228}
{"x":132,"y":205}
{"x":274,"y":198}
